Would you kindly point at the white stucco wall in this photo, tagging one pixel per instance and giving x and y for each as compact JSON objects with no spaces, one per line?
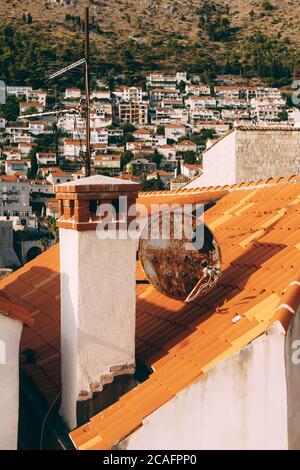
{"x":240,"y":404}
{"x":219,"y":164}
{"x":10,"y":334}
{"x":98,"y":314}
{"x":292,"y":360}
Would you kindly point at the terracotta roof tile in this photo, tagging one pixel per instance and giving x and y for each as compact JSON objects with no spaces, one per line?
{"x":254,"y":279}
{"x":181,"y":341}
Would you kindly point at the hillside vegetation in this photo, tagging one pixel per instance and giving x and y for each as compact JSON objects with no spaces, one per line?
{"x":131,"y":37}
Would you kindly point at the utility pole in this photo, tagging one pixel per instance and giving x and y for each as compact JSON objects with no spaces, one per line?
{"x":87,"y":91}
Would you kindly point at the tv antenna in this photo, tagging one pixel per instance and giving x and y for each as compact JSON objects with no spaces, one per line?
{"x":84,"y":107}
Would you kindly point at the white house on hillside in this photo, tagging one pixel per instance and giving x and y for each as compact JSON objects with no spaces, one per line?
{"x":250,"y":154}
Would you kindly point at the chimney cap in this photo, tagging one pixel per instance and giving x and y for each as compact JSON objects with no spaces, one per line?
{"x":97,"y":183}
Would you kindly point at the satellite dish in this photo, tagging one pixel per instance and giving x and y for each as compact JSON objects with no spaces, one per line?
{"x":180,"y":255}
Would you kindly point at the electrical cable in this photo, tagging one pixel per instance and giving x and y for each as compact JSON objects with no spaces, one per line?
{"x":45,"y":419}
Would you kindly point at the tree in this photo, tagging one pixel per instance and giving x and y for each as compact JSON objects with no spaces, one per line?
{"x":268,"y":6}
{"x":190,"y":157}
{"x":52,"y":226}
{"x":157,"y":158}
{"x":160,"y":130}
{"x":178,"y":169}
{"x":29,"y":19}
{"x":11,"y":108}
{"x":129,"y":138}
{"x":31,"y":110}
{"x":127,"y":128}
{"x":283,"y":116}
{"x":34,"y":165}
{"x":182,"y":86}
{"x":126,"y":158}
{"x":154,"y":184}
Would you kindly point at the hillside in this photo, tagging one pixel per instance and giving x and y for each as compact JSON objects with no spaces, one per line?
{"x":133,"y":36}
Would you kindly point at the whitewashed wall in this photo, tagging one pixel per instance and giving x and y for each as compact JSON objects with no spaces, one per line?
{"x":219,"y":164}
{"x":240,"y":404}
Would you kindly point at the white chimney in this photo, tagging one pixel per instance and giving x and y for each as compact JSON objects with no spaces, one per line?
{"x":97,"y":290}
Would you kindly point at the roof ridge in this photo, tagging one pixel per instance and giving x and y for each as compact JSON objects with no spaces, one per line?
{"x":294,"y":179}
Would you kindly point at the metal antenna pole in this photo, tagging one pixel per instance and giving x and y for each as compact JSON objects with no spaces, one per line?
{"x":87,"y":92}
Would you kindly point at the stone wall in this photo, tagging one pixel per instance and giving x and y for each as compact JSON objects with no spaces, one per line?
{"x":262,"y":154}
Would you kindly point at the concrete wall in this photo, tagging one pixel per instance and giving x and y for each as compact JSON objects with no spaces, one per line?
{"x":10,"y":333}
{"x":98,"y":314}
{"x":292,"y":359}
{"x":219,"y":164}
{"x":250,"y":155}
{"x":240,"y":404}
{"x":263,"y":154}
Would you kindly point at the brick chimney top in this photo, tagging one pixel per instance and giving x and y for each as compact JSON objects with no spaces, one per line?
{"x":78,"y":201}
{"x":97,"y":183}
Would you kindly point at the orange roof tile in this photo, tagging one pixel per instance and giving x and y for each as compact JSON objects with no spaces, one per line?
{"x":181,"y":342}
{"x":257,"y":226}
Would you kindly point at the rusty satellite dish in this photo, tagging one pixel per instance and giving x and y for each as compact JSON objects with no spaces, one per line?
{"x":180,"y":256}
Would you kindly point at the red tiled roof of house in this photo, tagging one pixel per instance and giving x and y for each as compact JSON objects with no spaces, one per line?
{"x":257,"y":226}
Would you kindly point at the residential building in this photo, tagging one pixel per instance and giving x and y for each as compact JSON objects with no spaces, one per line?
{"x":46,"y":158}
{"x":140,"y":149}
{"x":197,"y":89}
{"x":179,"y":182}
{"x":132,"y":93}
{"x":142,"y":134}
{"x":39,"y":96}
{"x":159,"y":80}
{"x":11,"y":153}
{"x":266,"y":109}
{"x":141,"y":167}
{"x":262,"y":92}
{"x":18,"y":90}
{"x":294,"y":116}
{"x":159,"y":94}
{"x":164,"y":176}
{"x":15,"y":202}
{"x":17,"y":167}
{"x":232,"y":103}
{"x":168,"y":151}
{"x":25,"y":148}
{"x":227,"y":92}
{"x":107,"y":161}
{"x":73,"y":148}
{"x":231,"y":115}
{"x":72,"y":94}
{"x":186,"y":146}
{"x":191,"y":170}
{"x":200,"y":102}
{"x":37,"y":127}
{"x":101,"y":95}
{"x":219,"y":127}
{"x":25,"y":106}
{"x":58,"y":177}
{"x":204,"y":115}
{"x":2,"y":123}
{"x":133,"y":112}
{"x":175,"y":131}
